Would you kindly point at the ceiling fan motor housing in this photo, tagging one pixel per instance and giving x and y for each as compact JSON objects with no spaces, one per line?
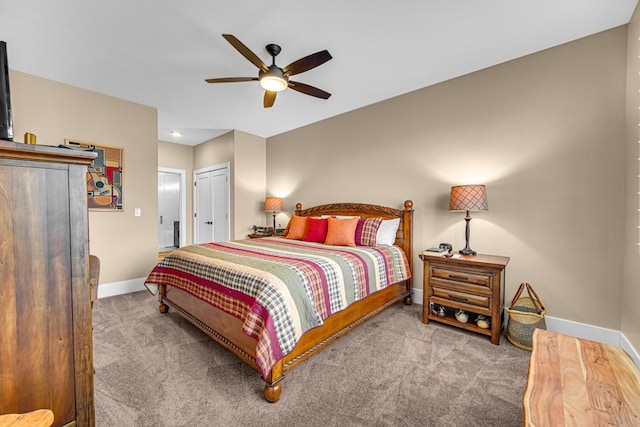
{"x":273,"y":49}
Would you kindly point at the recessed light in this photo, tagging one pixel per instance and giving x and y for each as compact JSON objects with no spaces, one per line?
{"x":176,"y":133}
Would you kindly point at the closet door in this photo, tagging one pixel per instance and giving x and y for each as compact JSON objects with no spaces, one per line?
{"x":211,"y":204}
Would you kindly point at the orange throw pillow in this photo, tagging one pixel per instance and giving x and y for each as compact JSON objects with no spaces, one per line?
{"x":341,"y":232}
{"x":297,"y":227}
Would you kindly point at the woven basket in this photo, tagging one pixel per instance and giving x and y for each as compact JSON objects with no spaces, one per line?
{"x":525,"y":315}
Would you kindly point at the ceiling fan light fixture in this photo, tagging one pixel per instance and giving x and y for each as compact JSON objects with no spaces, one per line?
{"x":273,"y":83}
{"x":273,"y":80}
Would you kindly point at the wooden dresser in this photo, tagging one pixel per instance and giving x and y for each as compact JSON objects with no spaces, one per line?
{"x":46,"y":359}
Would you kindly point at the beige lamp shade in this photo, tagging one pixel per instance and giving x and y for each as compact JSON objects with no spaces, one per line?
{"x":273,"y":204}
{"x":468,"y":198}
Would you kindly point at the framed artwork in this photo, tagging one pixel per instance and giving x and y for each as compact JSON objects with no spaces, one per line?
{"x":104,"y":177}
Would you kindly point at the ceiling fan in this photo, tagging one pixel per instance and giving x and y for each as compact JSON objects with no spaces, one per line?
{"x":273,"y":78}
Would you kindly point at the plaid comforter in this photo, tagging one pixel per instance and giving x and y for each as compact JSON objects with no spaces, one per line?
{"x":280,"y":288}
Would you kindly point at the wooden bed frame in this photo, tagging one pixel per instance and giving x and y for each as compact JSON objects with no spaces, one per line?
{"x":227,"y":330}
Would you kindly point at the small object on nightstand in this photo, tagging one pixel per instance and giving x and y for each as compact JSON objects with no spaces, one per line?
{"x":261,"y":232}
{"x":461,"y":316}
{"x":435,"y":252}
{"x":483,"y":321}
{"x":257,"y":236}
{"x":444,"y":249}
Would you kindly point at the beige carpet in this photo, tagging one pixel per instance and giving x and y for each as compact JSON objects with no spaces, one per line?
{"x":158,"y":370}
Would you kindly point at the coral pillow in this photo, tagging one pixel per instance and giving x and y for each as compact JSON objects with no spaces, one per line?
{"x":367,"y":231}
{"x":341,"y":232}
{"x":316,"y":230}
{"x":297,"y":227}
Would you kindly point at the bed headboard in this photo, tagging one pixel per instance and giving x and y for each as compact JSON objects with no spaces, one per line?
{"x":404,"y":235}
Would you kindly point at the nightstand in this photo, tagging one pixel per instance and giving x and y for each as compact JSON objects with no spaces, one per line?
{"x":256,"y":236}
{"x":474,"y":284}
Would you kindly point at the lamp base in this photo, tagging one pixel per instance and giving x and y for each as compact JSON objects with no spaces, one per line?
{"x":467,"y":251}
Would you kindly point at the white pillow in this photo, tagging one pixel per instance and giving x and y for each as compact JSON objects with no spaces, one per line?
{"x":387,"y":232}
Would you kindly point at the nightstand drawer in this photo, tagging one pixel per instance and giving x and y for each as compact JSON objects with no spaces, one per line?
{"x":471,"y":278}
{"x":462,"y":297}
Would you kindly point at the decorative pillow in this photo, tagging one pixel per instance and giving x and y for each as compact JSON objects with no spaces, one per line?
{"x":341,"y":232}
{"x":297,"y":227}
{"x":367,"y":231}
{"x":286,"y":229}
{"x":316,"y":229}
{"x":387,"y":232}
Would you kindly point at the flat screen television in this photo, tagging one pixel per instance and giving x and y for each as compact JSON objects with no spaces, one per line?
{"x":6,"y":121}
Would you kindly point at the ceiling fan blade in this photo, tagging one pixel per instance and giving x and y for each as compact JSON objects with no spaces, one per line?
{"x":231,"y":79}
{"x":269,"y":98}
{"x":246,"y":52}
{"x":309,"y":90}
{"x":307,"y":63}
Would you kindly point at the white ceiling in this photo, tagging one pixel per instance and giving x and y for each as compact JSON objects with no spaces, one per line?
{"x":158,"y":52}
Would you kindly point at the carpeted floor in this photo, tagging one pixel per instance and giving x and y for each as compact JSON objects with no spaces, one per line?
{"x":158,"y":370}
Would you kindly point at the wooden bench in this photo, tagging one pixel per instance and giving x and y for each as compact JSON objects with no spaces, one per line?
{"x":576,"y":382}
{"x":38,"y":418}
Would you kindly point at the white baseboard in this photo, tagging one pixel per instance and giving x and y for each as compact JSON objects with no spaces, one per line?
{"x":626,"y":346}
{"x":119,"y":288}
{"x":417,"y":296}
{"x":576,"y":329}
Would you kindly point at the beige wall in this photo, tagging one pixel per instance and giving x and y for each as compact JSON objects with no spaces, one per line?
{"x":630,"y":301}
{"x":215,"y":152}
{"x":126,"y":245}
{"x":177,"y":156}
{"x":246,"y":154}
{"x":250,"y":182}
{"x":545,"y":133}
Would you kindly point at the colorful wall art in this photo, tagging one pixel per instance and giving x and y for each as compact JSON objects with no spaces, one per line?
{"x":104,"y":177}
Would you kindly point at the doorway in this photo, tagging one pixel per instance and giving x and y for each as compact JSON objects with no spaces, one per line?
{"x":172,"y":206}
{"x":211,"y":204}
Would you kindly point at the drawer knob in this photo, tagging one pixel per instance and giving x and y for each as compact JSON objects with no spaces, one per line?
{"x":456,"y":277}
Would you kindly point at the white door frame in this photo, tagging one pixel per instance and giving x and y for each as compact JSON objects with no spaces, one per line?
{"x":183,"y":201}
{"x":227,"y":167}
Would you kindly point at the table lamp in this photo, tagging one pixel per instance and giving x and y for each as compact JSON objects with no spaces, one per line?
{"x":468,"y":198}
{"x":273,"y":205}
